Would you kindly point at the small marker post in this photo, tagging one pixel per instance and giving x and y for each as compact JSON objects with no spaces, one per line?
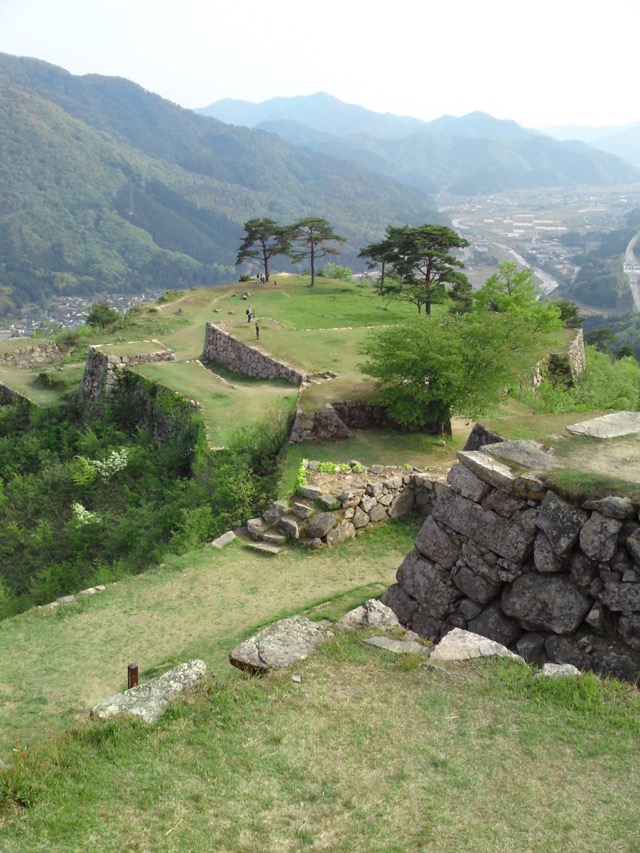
{"x":132,"y":675}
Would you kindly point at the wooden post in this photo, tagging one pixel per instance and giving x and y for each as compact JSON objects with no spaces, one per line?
{"x":132,"y":673}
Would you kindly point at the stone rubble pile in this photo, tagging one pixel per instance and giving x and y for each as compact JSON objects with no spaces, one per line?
{"x":504,"y":557}
{"x":334,"y":421}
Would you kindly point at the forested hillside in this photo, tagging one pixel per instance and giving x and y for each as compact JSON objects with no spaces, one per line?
{"x":474,"y":154}
{"x":107,"y":187}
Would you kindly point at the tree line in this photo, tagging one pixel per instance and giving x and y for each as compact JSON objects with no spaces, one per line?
{"x":418,"y":264}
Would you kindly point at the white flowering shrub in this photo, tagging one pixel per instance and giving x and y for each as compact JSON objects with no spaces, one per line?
{"x":84,"y":516}
{"x":115,"y":461}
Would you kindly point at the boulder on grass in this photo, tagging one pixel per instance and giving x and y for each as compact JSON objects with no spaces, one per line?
{"x":280,"y":645}
{"x":149,"y":700}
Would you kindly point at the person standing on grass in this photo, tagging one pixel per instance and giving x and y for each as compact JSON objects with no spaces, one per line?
{"x":257,"y":332}
{"x":248,"y":313}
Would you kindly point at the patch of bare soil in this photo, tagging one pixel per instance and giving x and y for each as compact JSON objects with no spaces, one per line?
{"x":613,"y":457}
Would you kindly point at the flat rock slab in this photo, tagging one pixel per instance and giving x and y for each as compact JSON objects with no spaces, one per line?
{"x":558,"y":670}
{"x":280,"y":645}
{"x":465,"y":645}
{"x":223,"y":540}
{"x":263,"y":547}
{"x":608,"y":426}
{"x":398,"y":647}
{"x":149,"y":700}
{"x":529,"y":454}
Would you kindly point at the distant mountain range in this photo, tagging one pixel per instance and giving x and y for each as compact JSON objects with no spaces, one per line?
{"x":623,"y":140}
{"x":465,"y":156}
{"x":109,"y":188}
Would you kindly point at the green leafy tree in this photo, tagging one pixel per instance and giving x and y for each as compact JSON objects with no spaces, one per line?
{"x":310,"y":238}
{"x":337,"y":272}
{"x":263,"y":240}
{"x":511,"y":290}
{"x":425,"y":269}
{"x":456,"y":365}
{"x":569,"y":313}
{"x":102,"y":315}
{"x":379,"y":253}
{"x":602,"y":339}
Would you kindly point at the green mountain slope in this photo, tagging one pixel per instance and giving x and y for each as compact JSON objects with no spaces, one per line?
{"x":106,"y":187}
{"x":472,"y":154}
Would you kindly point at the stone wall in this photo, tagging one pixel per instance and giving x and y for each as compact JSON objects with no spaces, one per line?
{"x":222,"y":348}
{"x":33,"y":355}
{"x":335,"y":419}
{"x":567,"y":365}
{"x":9,"y":396}
{"x":502,"y":556}
{"x":101,"y":370}
{"x":325,"y":513}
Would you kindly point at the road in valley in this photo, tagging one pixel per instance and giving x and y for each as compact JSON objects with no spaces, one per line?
{"x":632,"y":271}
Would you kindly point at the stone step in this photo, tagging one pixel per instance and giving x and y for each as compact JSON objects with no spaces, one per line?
{"x":264,"y":547}
{"x":274,"y":538}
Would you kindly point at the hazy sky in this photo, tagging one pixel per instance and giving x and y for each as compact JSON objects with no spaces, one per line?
{"x":541,"y":63}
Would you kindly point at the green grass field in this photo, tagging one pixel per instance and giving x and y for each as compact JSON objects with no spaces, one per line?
{"x":199,"y":605}
{"x":368,"y":752}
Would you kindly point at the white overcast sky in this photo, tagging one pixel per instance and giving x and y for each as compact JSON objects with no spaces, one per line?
{"x":541,"y":63}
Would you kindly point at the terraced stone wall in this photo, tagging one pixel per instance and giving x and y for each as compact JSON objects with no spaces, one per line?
{"x":504,"y":557}
{"x":222,"y":348}
{"x":32,"y":355}
{"x":101,"y":370}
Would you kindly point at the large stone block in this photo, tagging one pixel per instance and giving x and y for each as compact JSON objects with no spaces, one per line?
{"x":280,"y":645}
{"x":149,"y":700}
{"x":402,"y":604}
{"x":431,"y":586}
{"x":545,"y":558}
{"x":436,"y":544}
{"x":464,"y":481}
{"x":321,"y":524}
{"x":501,"y":535}
{"x":599,"y":537}
{"x":546,"y":603}
{"x":494,"y":624}
{"x":402,"y":504}
{"x":473,"y":586}
{"x":495,"y":473}
{"x":621,"y":596}
{"x":561,"y":522}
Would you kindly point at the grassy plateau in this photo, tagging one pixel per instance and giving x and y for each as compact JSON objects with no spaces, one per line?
{"x":365,"y":751}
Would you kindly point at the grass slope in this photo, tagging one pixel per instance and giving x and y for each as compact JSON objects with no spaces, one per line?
{"x":199,"y":605}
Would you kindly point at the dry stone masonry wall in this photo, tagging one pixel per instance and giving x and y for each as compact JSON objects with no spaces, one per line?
{"x":101,"y":369}
{"x":32,"y":356}
{"x":222,"y":348}
{"x":502,"y":556}
{"x":358,"y":498}
{"x":334,"y":421}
